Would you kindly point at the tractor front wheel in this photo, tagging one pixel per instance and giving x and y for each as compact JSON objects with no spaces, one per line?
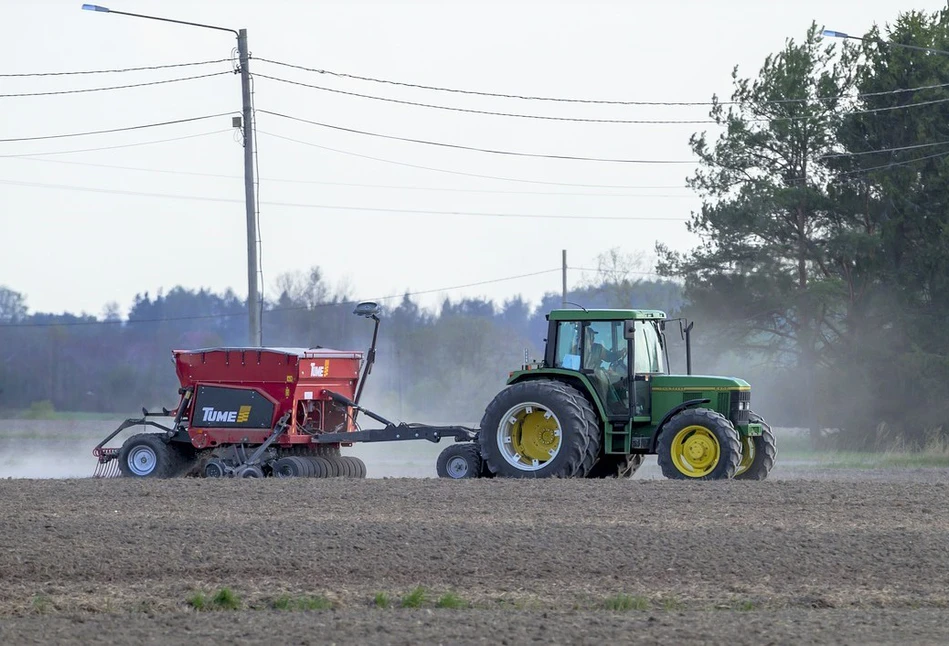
{"x":699,"y":444}
{"x":539,"y":429}
{"x":147,"y":455}
{"x":757,"y":453}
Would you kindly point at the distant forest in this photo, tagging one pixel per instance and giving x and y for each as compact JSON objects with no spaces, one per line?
{"x":446,"y":364}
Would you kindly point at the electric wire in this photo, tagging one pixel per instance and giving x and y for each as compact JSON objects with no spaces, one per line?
{"x":884,"y":150}
{"x":487,"y":112}
{"x":281,"y":309}
{"x":114,"y":71}
{"x":445,"y":170}
{"x":100,"y":148}
{"x":113,"y":87}
{"x":336,"y":207}
{"x":616,"y":271}
{"x":477,"y":149}
{"x":112,"y":130}
{"x":591,"y":101}
{"x":362,"y":185}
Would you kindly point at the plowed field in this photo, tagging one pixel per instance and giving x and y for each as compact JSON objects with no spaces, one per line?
{"x":786,"y":561}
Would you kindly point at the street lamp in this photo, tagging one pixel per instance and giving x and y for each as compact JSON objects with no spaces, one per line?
{"x":839,"y":34}
{"x":253,"y":298}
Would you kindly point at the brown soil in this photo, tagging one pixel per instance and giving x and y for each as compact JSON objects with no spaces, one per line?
{"x":792,"y":561}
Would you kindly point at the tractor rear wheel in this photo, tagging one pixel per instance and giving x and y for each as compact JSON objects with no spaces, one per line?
{"x":617,"y":466}
{"x":757,"y":453}
{"x":539,"y":429}
{"x":459,"y":461}
{"x":699,"y":444}
{"x":147,"y":455}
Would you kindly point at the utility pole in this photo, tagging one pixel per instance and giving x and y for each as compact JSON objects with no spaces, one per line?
{"x":564,"y":299}
{"x":253,"y":297}
{"x":250,"y":202}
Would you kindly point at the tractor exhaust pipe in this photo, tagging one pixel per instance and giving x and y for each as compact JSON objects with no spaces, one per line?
{"x":688,"y":348}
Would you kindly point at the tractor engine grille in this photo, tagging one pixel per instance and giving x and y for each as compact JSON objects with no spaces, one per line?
{"x":740,"y":407}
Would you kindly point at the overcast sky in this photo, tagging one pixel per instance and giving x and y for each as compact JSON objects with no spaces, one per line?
{"x":79,"y":233}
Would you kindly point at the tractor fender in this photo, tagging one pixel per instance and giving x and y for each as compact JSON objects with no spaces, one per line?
{"x":579,"y":381}
{"x":674,"y":411}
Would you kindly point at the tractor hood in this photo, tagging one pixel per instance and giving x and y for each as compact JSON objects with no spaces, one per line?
{"x":697,"y":383}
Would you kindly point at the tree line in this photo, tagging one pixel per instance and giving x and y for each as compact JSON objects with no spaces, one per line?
{"x":445,"y":364}
{"x":825,"y":227}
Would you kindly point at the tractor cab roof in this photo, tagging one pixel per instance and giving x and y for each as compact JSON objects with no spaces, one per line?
{"x":604,"y":315}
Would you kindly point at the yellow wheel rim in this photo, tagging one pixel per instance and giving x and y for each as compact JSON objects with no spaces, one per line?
{"x":747,"y":455}
{"x":695,"y":451}
{"x":529,"y":436}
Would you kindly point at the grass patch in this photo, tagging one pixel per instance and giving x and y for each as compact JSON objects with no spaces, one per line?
{"x":414,"y":599}
{"x":286,"y":602}
{"x":672,"y":603}
{"x":198,"y":601}
{"x":223,"y":599}
{"x":451,"y":600}
{"x":746,"y":606}
{"x":625,"y":602}
{"x":40,"y":604}
{"x":382,"y":600}
{"x":226,"y":599}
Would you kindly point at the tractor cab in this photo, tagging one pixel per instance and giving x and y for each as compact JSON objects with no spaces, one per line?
{"x":617,"y":350}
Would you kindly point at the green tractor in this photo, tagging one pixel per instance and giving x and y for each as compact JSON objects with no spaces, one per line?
{"x":602,"y":399}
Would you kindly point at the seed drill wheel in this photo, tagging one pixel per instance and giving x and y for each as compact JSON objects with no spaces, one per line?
{"x":357,"y":468}
{"x":249,"y":471}
{"x":147,"y":455}
{"x":617,"y":466}
{"x":539,"y":429}
{"x":214,"y":468}
{"x":757,"y":453}
{"x":699,"y":444}
{"x":321,"y":467}
{"x":335,"y":466}
{"x":459,"y":461}
{"x":286,"y":468}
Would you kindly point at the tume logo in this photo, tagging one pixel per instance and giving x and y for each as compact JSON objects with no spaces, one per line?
{"x":239,"y":416}
{"x":320,"y":371}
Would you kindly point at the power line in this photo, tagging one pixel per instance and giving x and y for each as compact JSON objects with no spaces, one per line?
{"x":452,"y":172}
{"x":115,"y":71}
{"x":590,"y":101}
{"x":90,"y":150}
{"x":361,"y":185}
{"x":114,"y":87}
{"x":336,"y":207}
{"x":487,"y":112}
{"x":616,"y":271}
{"x":885,"y":150}
{"x":476,"y":149}
{"x":111,"y":130}
{"x":282,"y":309}
{"x":906,"y":162}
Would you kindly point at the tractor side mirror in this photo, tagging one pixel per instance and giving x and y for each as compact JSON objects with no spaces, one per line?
{"x":368,"y":309}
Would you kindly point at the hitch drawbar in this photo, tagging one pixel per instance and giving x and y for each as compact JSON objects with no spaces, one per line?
{"x":392,"y":432}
